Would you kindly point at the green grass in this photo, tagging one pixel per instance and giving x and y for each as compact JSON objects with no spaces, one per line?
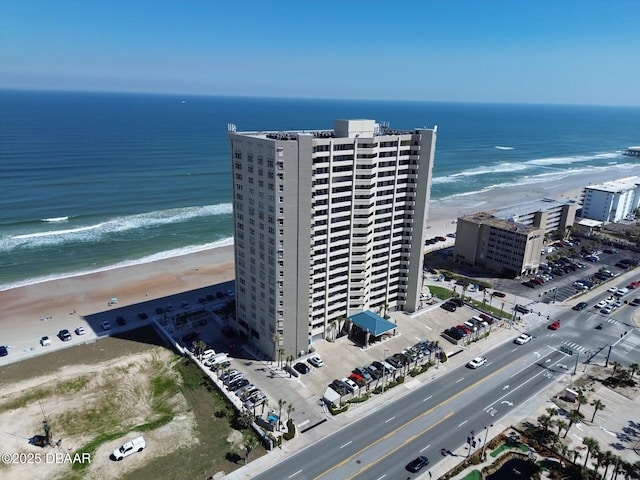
{"x":27,"y":398}
{"x":473,"y":475}
{"x":214,"y":417}
{"x":521,"y":446}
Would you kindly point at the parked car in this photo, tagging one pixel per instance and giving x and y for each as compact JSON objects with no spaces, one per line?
{"x":106,"y":325}
{"x":316,"y":361}
{"x":477,"y":362}
{"x":364,"y":373}
{"x":80,"y":331}
{"x":498,"y":294}
{"x":418,"y":464}
{"x":3,"y":351}
{"x":45,"y":341}
{"x":136,"y":445}
{"x":64,"y":335}
{"x":448,"y":306}
{"x":373,"y":371}
{"x":523,"y":338}
{"x":457,"y":301}
{"x":189,"y":338}
{"x":301,"y":368}
{"x":351,"y":385}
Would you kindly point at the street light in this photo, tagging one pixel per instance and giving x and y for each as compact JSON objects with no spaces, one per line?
{"x":484,"y":445}
{"x":384,"y":367}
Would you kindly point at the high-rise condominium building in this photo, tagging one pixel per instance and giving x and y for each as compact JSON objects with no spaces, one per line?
{"x":328,"y":223}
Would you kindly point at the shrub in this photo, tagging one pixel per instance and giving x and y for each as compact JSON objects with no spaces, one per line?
{"x":291,"y":430}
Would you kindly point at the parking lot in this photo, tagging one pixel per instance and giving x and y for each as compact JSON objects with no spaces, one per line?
{"x":305,"y":392}
{"x":565,"y":274}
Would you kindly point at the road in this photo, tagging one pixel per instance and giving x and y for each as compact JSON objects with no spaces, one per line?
{"x":443,"y":413}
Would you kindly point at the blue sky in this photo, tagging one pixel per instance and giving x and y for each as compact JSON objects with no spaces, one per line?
{"x":544,"y":51}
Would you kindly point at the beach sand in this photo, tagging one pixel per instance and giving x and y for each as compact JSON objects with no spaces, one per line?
{"x":146,"y":283}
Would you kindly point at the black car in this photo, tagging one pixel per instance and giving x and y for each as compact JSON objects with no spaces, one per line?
{"x":449,"y":307}
{"x":302,"y":368}
{"x":418,"y":464}
{"x":121,"y":321}
{"x":64,"y":335}
{"x":3,"y":351}
{"x":457,"y":301}
{"x":521,"y":309}
{"x":580,"y":306}
{"x":143,"y":316}
{"x":189,"y":338}
{"x":339,"y":386}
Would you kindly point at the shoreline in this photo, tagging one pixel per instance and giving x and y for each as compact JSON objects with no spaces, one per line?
{"x":66,"y":302}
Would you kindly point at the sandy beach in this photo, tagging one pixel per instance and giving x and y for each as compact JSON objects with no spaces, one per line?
{"x":65,"y":302}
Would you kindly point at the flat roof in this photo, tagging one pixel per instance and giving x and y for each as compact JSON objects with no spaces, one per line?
{"x":527,"y":208}
{"x":489,"y":218}
{"x":615,"y":186}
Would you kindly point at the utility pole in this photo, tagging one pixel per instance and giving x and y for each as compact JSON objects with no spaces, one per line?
{"x":484,"y":445}
{"x":608,"y":355}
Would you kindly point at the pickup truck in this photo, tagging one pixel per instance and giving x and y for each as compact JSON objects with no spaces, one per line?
{"x":136,"y":445}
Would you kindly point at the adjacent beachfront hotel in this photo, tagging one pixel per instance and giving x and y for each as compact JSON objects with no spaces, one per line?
{"x":509,"y":241}
{"x":611,"y":202}
{"x":328,"y":224}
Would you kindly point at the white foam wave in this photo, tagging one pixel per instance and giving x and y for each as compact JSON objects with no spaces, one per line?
{"x":503,"y":148}
{"x":575,"y":159}
{"x":544,"y":178}
{"x":482,"y":170}
{"x":55,"y":219}
{"x":117,"y":225}
{"x":177,"y":252}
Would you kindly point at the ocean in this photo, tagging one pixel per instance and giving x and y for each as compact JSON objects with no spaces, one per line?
{"x":92,"y":181}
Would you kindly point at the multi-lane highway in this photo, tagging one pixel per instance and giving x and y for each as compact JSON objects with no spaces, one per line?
{"x":443,"y":413}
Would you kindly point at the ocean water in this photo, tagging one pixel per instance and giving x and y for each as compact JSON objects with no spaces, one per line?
{"x":91,"y":181}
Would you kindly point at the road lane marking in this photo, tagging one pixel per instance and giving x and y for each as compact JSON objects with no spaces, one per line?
{"x":348,"y":443}
{"x":387,"y":421}
{"x":427,"y":398}
{"x":380,"y":478}
{"x":534,"y":362}
{"x":425,"y":448}
{"x":294,"y":474}
{"x":462,"y":423}
{"x":407,"y":441}
{"x":458,"y":381}
{"x":427,"y":412}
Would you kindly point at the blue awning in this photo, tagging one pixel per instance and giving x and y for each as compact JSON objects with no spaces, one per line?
{"x":372,"y":323}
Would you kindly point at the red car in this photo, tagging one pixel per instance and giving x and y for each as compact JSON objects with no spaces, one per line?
{"x":634,"y":285}
{"x":554,"y":325}
{"x":498,"y":294}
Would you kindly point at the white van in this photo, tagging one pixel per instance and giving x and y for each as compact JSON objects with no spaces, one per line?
{"x":135,"y":445}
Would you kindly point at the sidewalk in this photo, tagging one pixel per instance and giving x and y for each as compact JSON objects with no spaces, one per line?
{"x":355,"y":412}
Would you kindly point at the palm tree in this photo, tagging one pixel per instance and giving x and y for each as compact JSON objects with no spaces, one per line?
{"x":615,"y":365}
{"x":545,"y":421}
{"x":564,"y":449}
{"x":592,"y":445}
{"x":250,"y":443}
{"x":574,"y":417}
{"x":576,"y":454}
{"x":581,"y":398}
{"x":281,"y":351}
{"x":608,"y":458}
{"x":552,"y":411}
{"x":597,"y":405}
{"x":561,"y":426}
{"x":634,"y":368}
{"x":281,"y":404}
{"x":290,"y":409}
